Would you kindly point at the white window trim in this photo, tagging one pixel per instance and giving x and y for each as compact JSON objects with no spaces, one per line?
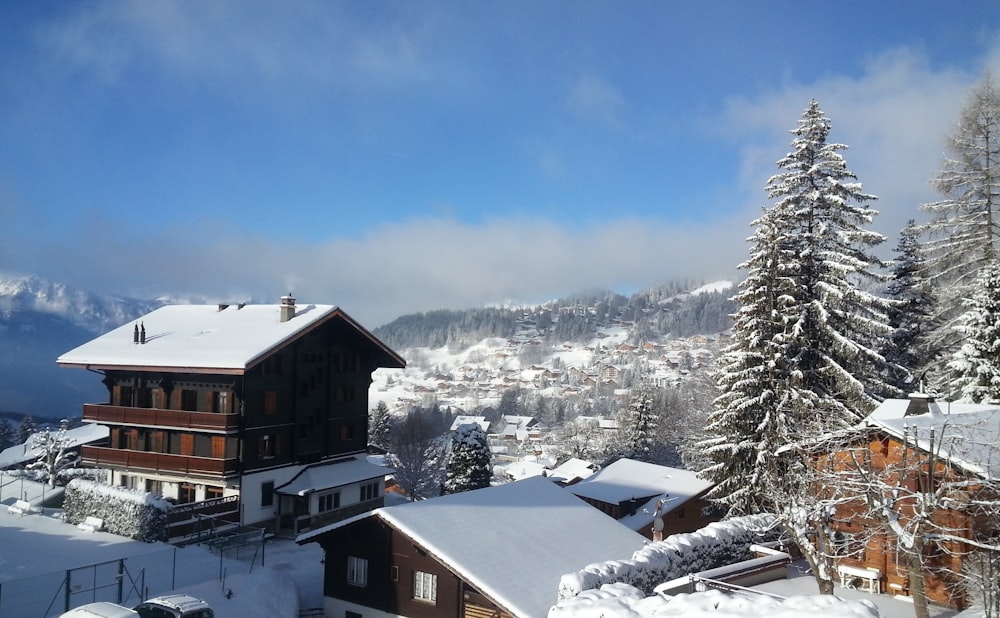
{"x":357,"y":571}
{"x":425,"y":587}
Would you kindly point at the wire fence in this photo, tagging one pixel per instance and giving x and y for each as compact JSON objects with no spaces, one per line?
{"x":128,"y":581}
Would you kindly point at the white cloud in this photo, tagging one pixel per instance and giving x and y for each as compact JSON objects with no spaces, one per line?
{"x":594,"y":98}
{"x":894,"y":118}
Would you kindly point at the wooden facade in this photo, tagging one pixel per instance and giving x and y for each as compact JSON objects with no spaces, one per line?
{"x":393,"y":563}
{"x":860,"y":541}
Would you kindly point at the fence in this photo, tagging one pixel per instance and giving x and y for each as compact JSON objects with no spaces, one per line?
{"x":128,"y":581}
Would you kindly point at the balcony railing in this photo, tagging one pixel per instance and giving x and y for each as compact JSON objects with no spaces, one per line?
{"x":156,"y":417}
{"x":162,"y":462}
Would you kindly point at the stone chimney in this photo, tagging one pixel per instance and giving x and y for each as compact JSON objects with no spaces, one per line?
{"x":287,"y":307}
{"x":919,"y":404}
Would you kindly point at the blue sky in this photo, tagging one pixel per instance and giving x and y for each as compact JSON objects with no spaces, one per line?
{"x":393,"y":157}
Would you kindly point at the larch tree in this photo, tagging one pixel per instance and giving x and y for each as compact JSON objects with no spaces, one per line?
{"x":963,"y":231}
{"x":805,"y":358}
{"x":415,"y":452}
{"x":974,"y":368}
{"x":912,"y":315}
{"x":468,"y":464}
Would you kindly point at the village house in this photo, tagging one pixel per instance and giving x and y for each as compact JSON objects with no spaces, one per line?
{"x":499,"y":552}
{"x":918,"y":449}
{"x":258,"y":413}
{"x":655,"y":501}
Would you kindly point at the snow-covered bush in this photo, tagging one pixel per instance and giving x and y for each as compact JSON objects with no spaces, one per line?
{"x":715,"y":545}
{"x":126,"y":512}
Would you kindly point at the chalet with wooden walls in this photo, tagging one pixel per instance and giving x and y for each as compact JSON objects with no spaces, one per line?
{"x":655,"y":501}
{"x":260,"y":406}
{"x":918,"y":448}
{"x":494,"y":552}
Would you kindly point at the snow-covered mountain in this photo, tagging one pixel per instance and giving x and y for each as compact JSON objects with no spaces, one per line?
{"x":39,"y":320}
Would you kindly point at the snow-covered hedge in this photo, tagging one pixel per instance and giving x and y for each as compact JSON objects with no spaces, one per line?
{"x":126,"y":512}
{"x":715,"y":545}
{"x":624,"y":601}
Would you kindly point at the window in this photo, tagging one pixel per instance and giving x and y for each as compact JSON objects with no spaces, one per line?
{"x":212,"y":492}
{"x":369,"y":491}
{"x":267,"y":493}
{"x":265,"y":446}
{"x":186,"y":493}
{"x":329,"y":502}
{"x":220,"y":402}
{"x":357,"y":571}
{"x":425,"y":586}
{"x":189,"y":400}
{"x":270,"y":402}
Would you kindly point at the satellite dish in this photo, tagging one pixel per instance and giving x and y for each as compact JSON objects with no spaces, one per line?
{"x":658,"y":524}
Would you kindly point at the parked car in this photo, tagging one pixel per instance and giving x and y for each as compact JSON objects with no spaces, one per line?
{"x":101,"y":609}
{"x":175,"y":606}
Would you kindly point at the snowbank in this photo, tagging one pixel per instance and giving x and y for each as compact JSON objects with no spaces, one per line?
{"x":625,"y":601}
{"x":714,"y":545}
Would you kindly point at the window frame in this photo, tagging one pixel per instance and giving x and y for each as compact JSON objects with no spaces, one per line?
{"x":425,"y":587}
{"x":357,"y":571}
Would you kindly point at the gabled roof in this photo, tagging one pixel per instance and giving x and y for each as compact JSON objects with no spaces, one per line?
{"x":967,"y":434}
{"x":512,"y":542}
{"x":225,"y":339}
{"x":628,"y":479}
{"x":332,"y":474}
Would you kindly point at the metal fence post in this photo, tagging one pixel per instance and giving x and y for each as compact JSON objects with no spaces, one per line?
{"x":121,"y":578}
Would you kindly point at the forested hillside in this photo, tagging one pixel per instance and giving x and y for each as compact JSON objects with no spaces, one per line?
{"x":662,"y":312}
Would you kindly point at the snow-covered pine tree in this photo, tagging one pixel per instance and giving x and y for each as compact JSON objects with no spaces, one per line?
{"x":379,"y":421}
{"x":963,"y":231}
{"x":7,"y":434}
{"x":468,"y":464}
{"x":637,"y":424}
{"x":975,"y":367}
{"x":912,"y":316}
{"x":25,"y":429}
{"x":805,"y":355}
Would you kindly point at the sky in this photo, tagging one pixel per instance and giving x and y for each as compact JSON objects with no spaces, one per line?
{"x":396,"y":157}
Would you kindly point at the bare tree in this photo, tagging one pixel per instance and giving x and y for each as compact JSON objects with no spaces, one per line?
{"x":416,"y":449}
{"x":54,"y":452}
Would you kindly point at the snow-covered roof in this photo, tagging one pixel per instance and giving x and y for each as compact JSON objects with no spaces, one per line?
{"x":968,"y":434}
{"x":626,"y":479}
{"x":328,"y":475}
{"x":573,"y":469}
{"x":23,"y":453}
{"x":464,"y":419}
{"x":533,"y":514}
{"x":216,"y":337}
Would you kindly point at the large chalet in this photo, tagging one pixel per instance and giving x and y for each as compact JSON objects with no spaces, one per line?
{"x":264,"y":407}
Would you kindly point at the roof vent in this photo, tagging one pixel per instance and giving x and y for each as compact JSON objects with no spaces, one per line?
{"x":222,"y":307}
{"x":287,"y":307}
{"x":919,"y":404}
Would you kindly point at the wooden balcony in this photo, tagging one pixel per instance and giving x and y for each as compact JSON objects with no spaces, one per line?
{"x":161,"y":462}
{"x":155,"y":417}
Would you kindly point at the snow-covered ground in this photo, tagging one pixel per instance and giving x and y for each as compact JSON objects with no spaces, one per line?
{"x":36,"y":549}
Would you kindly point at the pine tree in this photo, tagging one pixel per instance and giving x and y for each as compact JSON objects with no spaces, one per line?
{"x":7,"y":434}
{"x":963,"y":231}
{"x":25,"y":429}
{"x":379,"y":422}
{"x":975,"y":367}
{"x":468,"y":462}
{"x":804,"y":359}
{"x":912,"y":316}
{"x":637,"y":424}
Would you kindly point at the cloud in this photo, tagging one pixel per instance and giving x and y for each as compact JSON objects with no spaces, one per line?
{"x":592,"y":97}
{"x":894,"y":117}
{"x":419,"y":265}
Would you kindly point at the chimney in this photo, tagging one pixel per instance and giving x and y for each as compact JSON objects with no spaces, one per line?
{"x":135,"y":334}
{"x":142,"y":333}
{"x":287,"y":307}
{"x":222,"y":307}
{"x":919,"y":404}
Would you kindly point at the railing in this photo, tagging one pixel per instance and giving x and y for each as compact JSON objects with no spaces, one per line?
{"x":166,"y":462}
{"x":156,"y":417}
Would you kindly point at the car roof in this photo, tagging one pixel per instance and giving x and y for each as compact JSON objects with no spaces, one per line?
{"x":183,"y":602}
{"x":101,"y":609}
